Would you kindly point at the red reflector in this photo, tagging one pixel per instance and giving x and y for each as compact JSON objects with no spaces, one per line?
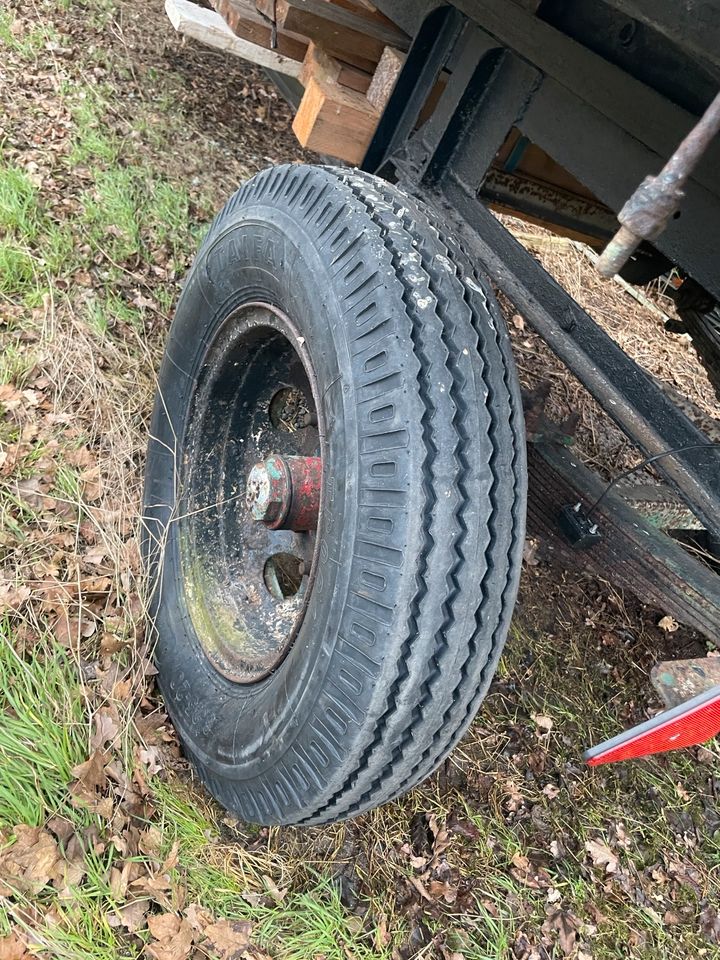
{"x":687,"y":725}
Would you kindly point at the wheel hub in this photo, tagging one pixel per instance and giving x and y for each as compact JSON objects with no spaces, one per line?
{"x":284,"y":492}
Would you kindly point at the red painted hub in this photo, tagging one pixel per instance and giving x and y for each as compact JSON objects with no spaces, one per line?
{"x":284,"y":492}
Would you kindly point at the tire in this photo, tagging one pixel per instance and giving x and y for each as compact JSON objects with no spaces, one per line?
{"x":416,"y":557}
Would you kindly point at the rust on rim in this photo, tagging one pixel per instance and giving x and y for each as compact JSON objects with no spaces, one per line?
{"x":284,"y":493}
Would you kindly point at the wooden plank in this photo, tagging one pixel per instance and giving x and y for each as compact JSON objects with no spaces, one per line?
{"x":245,"y":21}
{"x":633,"y":554}
{"x":344,"y":33}
{"x":209,"y":28}
{"x":383,"y":81}
{"x":334,"y":120}
{"x":320,"y":63}
{"x":364,"y":8}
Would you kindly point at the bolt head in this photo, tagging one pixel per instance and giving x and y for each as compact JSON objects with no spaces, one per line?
{"x":267,"y":491}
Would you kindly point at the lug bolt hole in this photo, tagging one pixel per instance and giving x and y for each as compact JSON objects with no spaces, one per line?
{"x":283,"y":575}
{"x":289,"y":410}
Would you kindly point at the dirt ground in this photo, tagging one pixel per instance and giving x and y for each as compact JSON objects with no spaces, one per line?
{"x":118,"y":143}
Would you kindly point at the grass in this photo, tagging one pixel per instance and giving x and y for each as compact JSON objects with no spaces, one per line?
{"x":93,"y":248}
{"x":42,"y":735}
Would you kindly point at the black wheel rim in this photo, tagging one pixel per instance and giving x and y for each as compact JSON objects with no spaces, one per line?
{"x":246,"y":586}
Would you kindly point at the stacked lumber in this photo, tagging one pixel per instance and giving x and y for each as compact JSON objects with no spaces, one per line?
{"x":345,"y":53}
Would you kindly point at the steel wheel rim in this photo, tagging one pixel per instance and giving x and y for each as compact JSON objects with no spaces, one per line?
{"x":247,"y":586}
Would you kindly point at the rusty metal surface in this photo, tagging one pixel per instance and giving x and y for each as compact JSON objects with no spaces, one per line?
{"x":647,"y":212}
{"x":517,"y":192}
{"x":679,"y":680}
{"x":284,"y":492}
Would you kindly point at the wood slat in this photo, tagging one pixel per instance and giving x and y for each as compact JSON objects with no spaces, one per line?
{"x":332,"y":119}
{"x":244,"y":20}
{"x":210,"y":28}
{"x":353,"y":37}
{"x":383,"y":81}
{"x":320,"y":62}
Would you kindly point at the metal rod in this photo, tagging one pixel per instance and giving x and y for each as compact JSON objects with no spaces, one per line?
{"x":646,"y":214}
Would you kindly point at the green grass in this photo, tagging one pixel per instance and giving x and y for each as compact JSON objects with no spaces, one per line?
{"x":33,"y":246}
{"x":43,"y":734}
{"x":26,"y":42}
{"x":316,"y":924}
{"x":19,"y":204}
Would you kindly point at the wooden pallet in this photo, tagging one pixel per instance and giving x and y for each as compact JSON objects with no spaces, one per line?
{"x":345,"y":53}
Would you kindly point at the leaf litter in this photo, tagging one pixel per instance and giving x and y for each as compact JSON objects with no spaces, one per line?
{"x":513,"y":849}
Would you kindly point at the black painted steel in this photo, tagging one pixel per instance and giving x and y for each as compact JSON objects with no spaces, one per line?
{"x":427,"y":56}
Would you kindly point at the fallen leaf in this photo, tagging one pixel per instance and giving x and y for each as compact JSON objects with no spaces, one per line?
{"x":528,"y":874}
{"x":198,"y":917}
{"x":131,"y":916}
{"x":443,"y":889}
{"x":91,"y":773}
{"x":106,"y":726}
{"x":173,"y":937}
{"x":710,"y":924}
{"x":152,"y":759}
{"x":272,"y":888}
{"x":229,"y":939}
{"x":564,"y":925}
{"x":30,"y":863}
{"x":601,"y":855}
{"x":12,"y":948}
{"x":545,"y":723}
{"x":12,"y":596}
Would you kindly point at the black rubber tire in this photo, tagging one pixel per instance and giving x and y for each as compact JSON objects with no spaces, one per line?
{"x":424,"y":494}
{"x":704,"y":328}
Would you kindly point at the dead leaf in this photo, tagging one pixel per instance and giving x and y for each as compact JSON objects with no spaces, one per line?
{"x":229,"y":939}
{"x":528,"y":874}
{"x":601,"y":855}
{"x":30,"y":863}
{"x":12,"y":948}
{"x":131,"y":916}
{"x":443,"y":890}
{"x":272,"y":888}
{"x":563,"y":924}
{"x":198,"y":917}
{"x":173,"y":937}
{"x":152,"y":759}
{"x":91,"y":773}
{"x":12,"y":596}
{"x":710,"y":924}
{"x":543,"y":722}
{"x":106,"y":726}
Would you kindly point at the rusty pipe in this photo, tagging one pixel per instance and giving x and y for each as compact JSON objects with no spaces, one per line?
{"x":646,"y":214}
